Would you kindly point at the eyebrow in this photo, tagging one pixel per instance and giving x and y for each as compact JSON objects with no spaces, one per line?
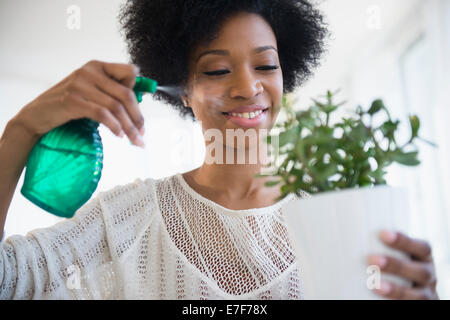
{"x":227,"y":53}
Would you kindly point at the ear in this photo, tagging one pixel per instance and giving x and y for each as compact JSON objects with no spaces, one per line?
{"x":185,"y":100}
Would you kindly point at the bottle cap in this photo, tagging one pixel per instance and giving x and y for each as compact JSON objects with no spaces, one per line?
{"x":142,"y":85}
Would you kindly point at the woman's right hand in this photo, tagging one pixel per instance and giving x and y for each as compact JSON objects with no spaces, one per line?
{"x":98,"y":90}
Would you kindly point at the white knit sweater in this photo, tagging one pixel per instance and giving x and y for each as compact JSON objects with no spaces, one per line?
{"x":154,"y":239}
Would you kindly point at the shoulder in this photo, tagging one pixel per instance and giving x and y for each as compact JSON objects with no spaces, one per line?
{"x":130,"y":211}
{"x":132,"y":202}
{"x":140,"y":190}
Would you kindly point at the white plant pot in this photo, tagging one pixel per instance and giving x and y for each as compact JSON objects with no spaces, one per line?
{"x":332,"y":234}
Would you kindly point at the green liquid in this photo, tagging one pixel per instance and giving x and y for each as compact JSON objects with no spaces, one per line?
{"x":64,"y":167}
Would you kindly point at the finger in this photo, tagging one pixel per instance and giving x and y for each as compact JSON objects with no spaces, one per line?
{"x":125,"y":95}
{"x":419,"y":249}
{"x":107,"y":77}
{"x":114,"y":106}
{"x":89,"y":109}
{"x":124,"y":73}
{"x":127,"y":110}
{"x":393,"y":291}
{"x":419,"y":272}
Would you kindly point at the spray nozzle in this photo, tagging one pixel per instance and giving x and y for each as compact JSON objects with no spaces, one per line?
{"x":143,"y":85}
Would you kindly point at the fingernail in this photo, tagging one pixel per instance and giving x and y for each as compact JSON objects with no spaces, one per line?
{"x":389,"y":236}
{"x":121,"y":133}
{"x":380,"y":261}
{"x":140,"y":142}
{"x":142,"y":131}
{"x":385,"y":287}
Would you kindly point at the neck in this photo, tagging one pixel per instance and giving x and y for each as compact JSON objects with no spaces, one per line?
{"x":232,"y":179}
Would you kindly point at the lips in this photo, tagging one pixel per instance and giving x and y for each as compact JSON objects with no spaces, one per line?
{"x":246,"y":122}
{"x":250,"y":108}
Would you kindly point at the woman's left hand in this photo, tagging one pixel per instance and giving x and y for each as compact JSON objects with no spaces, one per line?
{"x":420,"y":269}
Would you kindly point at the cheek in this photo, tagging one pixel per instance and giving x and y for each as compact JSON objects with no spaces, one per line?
{"x":208,"y":114}
{"x":275,"y":91}
{"x":208,"y":93}
{"x":208,"y":102}
{"x":278,"y":88}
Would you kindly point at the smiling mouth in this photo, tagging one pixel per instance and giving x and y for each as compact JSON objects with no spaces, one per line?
{"x":246,"y":115}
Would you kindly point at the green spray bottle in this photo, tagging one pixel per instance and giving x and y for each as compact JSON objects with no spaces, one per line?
{"x":65,"y":166}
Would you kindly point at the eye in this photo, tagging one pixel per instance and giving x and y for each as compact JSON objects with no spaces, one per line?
{"x":222,"y":72}
{"x":216,"y":73}
{"x":268,"y":68}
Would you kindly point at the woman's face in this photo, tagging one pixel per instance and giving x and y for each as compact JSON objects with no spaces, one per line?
{"x":244,"y":71}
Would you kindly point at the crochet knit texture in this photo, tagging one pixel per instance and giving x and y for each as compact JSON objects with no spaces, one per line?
{"x":154,"y":239}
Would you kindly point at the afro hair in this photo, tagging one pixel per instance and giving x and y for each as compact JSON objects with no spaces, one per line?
{"x":161,"y":34}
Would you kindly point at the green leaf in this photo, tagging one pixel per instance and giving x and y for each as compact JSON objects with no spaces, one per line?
{"x":261,"y":175}
{"x":377,"y":105}
{"x":289,"y":136}
{"x":272,"y":183}
{"x":406,"y":158}
{"x":326,"y":171}
{"x":337,"y":157}
{"x":388,"y":128}
{"x":415,"y":125}
{"x":347,"y":122}
{"x":359,"y":134}
{"x":329,"y":94}
{"x":364,"y":180}
{"x":307,"y":122}
{"x":329,"y":108}
{"x":285,"y":188}
{"x":378,"y":175}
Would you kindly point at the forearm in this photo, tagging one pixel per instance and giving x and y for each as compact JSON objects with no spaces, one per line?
{"x":15,"y":146}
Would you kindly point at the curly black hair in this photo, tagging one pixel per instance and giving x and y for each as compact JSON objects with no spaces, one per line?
{"x":160,"y":35}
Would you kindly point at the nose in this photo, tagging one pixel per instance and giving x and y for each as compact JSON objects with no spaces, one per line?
{"x":246,"y":85}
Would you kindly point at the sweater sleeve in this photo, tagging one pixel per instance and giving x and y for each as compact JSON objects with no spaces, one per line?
{"x":77,"y":258}
{"x":51,"y":263}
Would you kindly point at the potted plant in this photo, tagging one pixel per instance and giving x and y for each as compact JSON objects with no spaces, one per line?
{"x":341,"y":166}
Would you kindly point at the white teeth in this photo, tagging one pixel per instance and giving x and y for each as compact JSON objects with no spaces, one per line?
{"x":248,"y":115}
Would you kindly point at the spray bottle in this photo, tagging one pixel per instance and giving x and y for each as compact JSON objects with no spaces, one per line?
{"x":65,"y":166}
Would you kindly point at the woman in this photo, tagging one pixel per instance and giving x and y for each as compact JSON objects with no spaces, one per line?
{"x":214,"y":232}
